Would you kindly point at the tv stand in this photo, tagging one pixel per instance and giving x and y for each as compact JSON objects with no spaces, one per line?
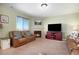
{"x":54,"y":35}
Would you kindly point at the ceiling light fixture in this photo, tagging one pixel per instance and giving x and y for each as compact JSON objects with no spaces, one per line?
{"x":44,"y":5}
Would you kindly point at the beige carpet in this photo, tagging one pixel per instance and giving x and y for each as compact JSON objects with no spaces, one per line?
{"x":37,"y":47}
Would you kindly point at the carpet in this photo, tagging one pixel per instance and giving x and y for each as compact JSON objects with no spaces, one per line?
{"x":39,"y":47}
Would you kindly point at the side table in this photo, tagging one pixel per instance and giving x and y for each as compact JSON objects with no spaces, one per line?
{"x":4,"y":43}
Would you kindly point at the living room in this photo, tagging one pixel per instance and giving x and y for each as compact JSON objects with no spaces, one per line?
{"x":37,"y":18}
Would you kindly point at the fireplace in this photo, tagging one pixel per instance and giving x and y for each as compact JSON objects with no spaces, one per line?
{"x":37,"y":33}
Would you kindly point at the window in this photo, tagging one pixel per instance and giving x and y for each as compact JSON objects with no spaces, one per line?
{"x":22,"y":23}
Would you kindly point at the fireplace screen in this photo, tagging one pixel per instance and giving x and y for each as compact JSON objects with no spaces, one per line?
{"x":37,"y":33}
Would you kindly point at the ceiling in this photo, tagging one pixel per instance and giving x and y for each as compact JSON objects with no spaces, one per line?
{"x":53,"y":9}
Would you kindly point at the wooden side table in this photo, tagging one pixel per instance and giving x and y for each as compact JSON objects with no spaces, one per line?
{"x":5,"y":43}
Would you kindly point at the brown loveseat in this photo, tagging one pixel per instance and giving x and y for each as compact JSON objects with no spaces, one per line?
{"x":72,"y":46}
{"x":19,"y":38}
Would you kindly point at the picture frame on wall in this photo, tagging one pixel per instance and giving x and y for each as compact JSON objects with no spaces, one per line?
{"x":4,"y":19}
{"x":37,"y":22}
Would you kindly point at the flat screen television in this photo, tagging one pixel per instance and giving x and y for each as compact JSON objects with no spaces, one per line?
{"x":54,"y":27}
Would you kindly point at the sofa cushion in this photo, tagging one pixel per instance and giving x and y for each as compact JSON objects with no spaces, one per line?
{"x":16,"y":33}
{"x":18,"y":36}
{"x":27,"y":33}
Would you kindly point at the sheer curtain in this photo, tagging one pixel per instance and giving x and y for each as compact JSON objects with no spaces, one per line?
{"x":22,"y":23}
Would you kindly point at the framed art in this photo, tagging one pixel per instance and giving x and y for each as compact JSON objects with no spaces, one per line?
{"x":4,"y":19}
{"x":37,"y":22}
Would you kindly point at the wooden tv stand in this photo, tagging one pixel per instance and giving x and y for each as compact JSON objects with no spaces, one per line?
{"x":54,"y":35}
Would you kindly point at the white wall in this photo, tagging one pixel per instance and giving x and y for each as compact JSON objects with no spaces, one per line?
{"x":36,"y":27}
{"x":12,"y":14}
{"x":11,"y":26}
{"x":67,"y":22}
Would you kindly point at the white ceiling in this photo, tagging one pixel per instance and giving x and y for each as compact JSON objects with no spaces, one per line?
{"x":53,"y":9}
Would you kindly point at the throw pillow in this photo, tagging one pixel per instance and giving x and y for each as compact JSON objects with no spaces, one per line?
{"x":73,"y":35}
